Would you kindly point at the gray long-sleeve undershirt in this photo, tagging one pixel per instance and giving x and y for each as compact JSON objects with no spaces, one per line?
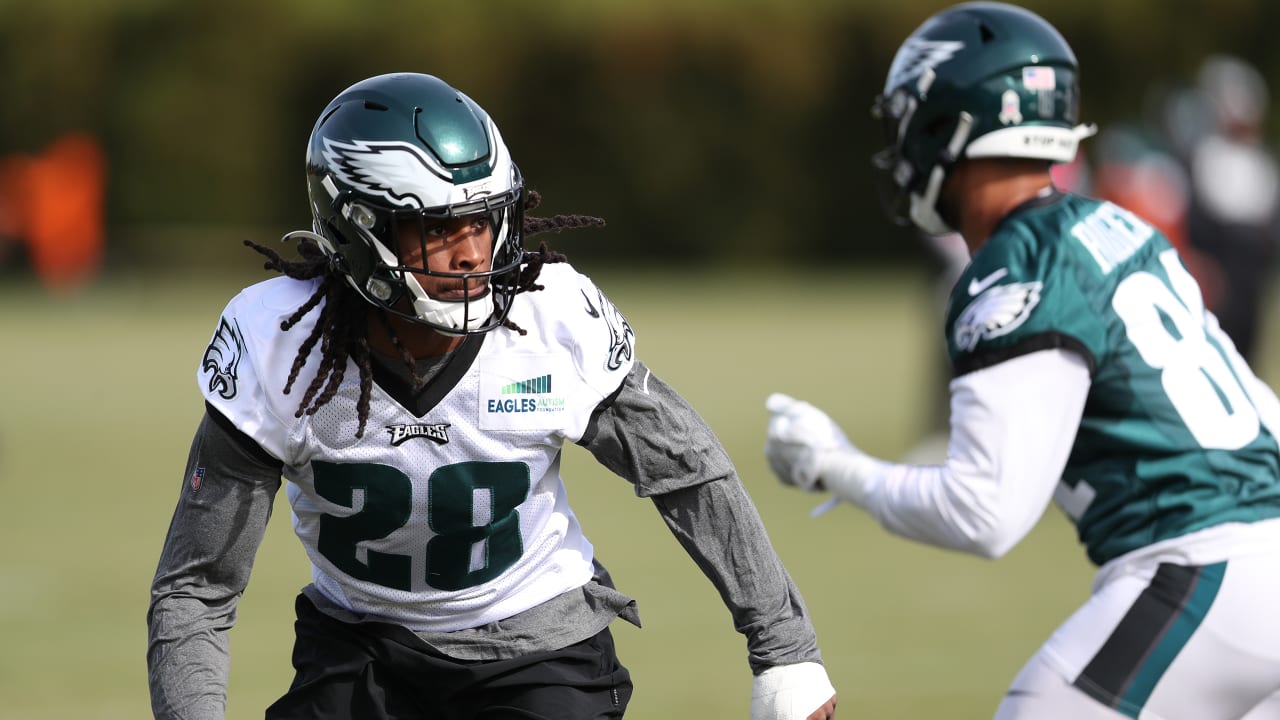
{"x":647,"y":433}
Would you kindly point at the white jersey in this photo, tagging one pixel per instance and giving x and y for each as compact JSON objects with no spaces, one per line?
{"x":448,"y":519}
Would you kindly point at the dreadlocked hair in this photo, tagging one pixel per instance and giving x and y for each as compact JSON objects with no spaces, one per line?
{"x":342,"y":328}
{"x":527,"y":281}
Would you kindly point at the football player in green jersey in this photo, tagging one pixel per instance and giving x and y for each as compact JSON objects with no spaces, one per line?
{"x":414,"y":376}
{"x":1085,"y":370}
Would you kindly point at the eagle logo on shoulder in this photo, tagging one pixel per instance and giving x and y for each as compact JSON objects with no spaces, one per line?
{"x":222,"y":358}
{"x":621,"y":337}
{"x":997,"y":311}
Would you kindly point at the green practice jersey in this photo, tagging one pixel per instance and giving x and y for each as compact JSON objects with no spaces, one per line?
{"x":1171,"y":440}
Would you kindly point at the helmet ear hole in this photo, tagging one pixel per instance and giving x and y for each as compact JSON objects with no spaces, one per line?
{"x":333,"y":233}
{"x":936,"y":127}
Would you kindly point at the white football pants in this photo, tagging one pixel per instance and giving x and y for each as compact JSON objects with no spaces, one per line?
{"x":1187,"y":629}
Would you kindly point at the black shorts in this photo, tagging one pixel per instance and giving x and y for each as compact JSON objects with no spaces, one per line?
{"x":380,"y":671}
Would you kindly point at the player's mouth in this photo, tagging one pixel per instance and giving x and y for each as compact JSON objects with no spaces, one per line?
{"x":460,"y":293}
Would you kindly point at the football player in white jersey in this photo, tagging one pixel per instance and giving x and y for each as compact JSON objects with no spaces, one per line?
{"x":1086,"y":370}
{"x":413,"y":376}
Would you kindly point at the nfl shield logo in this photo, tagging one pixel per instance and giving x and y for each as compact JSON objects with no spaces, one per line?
{"x":197,"y":478}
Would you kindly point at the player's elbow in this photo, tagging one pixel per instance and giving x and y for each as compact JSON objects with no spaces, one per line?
{"x":988,"y":534}
{"x":997,"y":533}
{"x":990,"y":522}
{"x":993,"y":544}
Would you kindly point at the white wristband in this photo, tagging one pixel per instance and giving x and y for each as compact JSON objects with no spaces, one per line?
{"x":848,"y":472}
{"x":790,"y":692}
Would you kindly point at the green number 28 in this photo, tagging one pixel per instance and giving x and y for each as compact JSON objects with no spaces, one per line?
{"x":471,"y":509}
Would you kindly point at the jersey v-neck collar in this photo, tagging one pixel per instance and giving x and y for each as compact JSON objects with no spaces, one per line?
{"x":441,"y":376}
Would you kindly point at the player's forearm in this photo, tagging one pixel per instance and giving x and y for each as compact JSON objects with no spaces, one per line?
{"x":188,"y":660}
{"x":1012,"y":428}
{"x":719,"y":528}
{"x":929,"y":504}
{"x":193,"y":607}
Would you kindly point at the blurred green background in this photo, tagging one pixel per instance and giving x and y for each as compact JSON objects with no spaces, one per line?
{"x":727,"y":145}
{"x":716,"y":131}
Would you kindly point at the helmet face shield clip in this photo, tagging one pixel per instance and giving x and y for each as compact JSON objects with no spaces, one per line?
{"x":362,"y":216}
{"x":380,"y":289}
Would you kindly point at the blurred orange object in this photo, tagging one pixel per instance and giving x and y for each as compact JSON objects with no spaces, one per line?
{"x":54,"y":202}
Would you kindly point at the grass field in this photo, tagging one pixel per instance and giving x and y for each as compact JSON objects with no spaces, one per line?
{"x":99,"y":400}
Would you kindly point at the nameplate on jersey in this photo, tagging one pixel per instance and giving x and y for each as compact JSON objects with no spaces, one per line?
{"x":525,"y":392}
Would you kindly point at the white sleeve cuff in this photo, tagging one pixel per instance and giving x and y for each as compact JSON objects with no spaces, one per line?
{"x":848,"y":473}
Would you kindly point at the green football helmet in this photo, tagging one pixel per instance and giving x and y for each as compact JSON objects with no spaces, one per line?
{"x":979,"y":79}
{"x":406,"y":150}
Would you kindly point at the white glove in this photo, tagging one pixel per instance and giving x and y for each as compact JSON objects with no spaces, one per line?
{"x":798,"y":439}
{"x":806,"y":449}
{"x":790,"y":692}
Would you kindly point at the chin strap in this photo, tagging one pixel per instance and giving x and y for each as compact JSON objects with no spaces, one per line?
{"x":451,"y":318}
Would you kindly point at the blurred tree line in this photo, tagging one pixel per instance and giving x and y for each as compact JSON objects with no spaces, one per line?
{"x":718,"y":130}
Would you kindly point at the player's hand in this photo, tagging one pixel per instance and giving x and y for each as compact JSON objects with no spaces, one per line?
{"x":798,"y":439}
{"x":793,"y":692}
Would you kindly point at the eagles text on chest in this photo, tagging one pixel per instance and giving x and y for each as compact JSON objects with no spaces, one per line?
{"x":437,"y":432}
